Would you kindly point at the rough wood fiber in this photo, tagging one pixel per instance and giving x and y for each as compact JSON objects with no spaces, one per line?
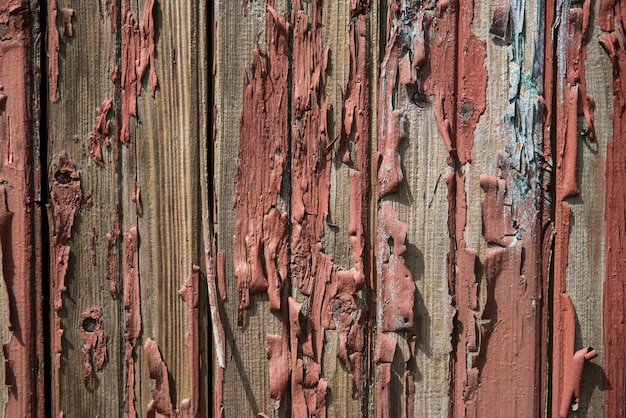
{"x":137,"y":231}
{"x":84,"y":85}
{"x":170,"y":144}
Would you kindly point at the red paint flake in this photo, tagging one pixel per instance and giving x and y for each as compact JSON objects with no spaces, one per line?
{"x":100,"y":133}
{"x":137,"y":59}
{"x":136,"y":198}
{"x":68,"y":30}
{"x":161,"y":403}
{"x":496,"y":217}
{"x":383,"y":357}
{"x":94,"y":342}
{"x":389,"y":168}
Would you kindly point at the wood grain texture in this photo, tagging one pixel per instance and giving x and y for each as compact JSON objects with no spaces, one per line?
{"x":86,"y":59}
{"x":152,"y":184}
{"x":173,"y":184}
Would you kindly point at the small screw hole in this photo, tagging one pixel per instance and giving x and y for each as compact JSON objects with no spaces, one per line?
{"x":90,"y":324}
{"x":62,"y":177}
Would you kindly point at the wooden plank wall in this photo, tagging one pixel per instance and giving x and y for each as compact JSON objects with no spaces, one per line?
{"x":398,"y":208}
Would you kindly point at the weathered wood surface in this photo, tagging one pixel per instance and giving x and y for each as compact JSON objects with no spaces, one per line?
{"x":137,"y":232}
{"x":478,"y":350}
{"x":395,"y":207}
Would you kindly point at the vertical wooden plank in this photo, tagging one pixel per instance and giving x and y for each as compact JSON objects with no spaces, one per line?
{"x":587,"y":256}
{"x":168,"y":146}
{"x":304,"y":229}
{"x":78,"y":127}
{"x":238,"y":30}
{"x":609,"y":21}
{"x":20,"y":213}
{"x":134,"y":251}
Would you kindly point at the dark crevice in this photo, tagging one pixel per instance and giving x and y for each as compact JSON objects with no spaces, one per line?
{"x":210,"y":152}
{"x":46,"y":304}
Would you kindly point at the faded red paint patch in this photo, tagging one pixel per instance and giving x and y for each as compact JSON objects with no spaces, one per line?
{"x":100,"y":133}
{"x":20,"y":215}
{"x":94,"y":342}
{"x":615,"y":258}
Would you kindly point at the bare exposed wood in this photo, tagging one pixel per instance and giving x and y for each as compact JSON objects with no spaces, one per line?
{"x":151,"y":184}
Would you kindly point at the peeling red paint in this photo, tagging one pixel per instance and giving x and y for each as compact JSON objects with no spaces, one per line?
{"x":396,"y":289}
{"x":389,"y":169}
{"x":20,"y":216}
{"x":279,"y":366}
{"x":66,"y":198}
{"x":146,"y":48}
{"x":161,"y":403}
{"x":137,"y":61}
{"x":94,"y":342}
{"x":115,"y":72}
{"x":112,"y":11}
{"x":383,"y":356}
{"x":614,"y":335}
{"x":572,"y":364}
{"x":53,"y":52}
{"x":136,"y":198}
{"x":189,"y":293}
{"x":132,"y":314}
{"x":100,"y":133}
{"x":260,"y":227}
{"x":496,"y":219}
{"x":68,"y":30}
{"x":572,"y":101}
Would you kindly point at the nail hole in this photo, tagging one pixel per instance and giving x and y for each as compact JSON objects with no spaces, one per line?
{"x":90,"y":324}
{"x":419,"y":99}
{"x":62,"y":177}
